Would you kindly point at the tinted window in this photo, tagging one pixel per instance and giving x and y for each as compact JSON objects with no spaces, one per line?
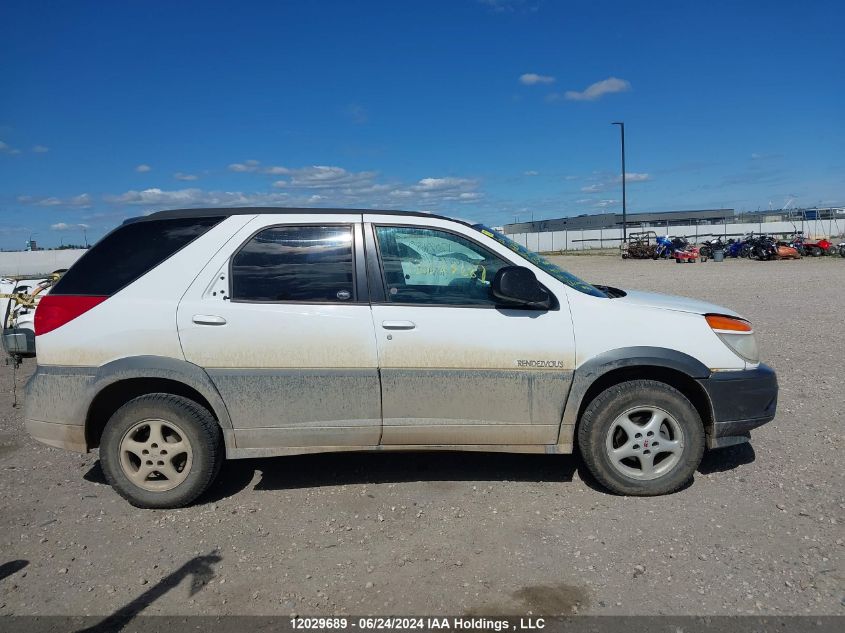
{"x":295,"y":263}
{"x":435,"y":267}
{"x":129,"y":252}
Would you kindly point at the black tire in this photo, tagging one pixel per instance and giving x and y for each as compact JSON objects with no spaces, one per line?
{"x":200,"y":429}
{"x":599,"y":417}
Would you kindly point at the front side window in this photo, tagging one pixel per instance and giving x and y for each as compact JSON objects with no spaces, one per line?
{"x":542,"y":263}
{"x":430,"y":266}
{"x":311,"y":264}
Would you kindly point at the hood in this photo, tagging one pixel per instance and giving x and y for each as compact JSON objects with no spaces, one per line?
{"x":670,"y":302}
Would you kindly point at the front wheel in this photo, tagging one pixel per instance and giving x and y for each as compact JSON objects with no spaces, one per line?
{"x":161,"y":451}
{"x":641,"y":438}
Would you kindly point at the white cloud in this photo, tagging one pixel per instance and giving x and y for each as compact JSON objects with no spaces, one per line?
{"x":322,"y":177}
{"x":5,"y":148}
{"x":319,"y":185}
{"x":182,"y":176}
{"x":62,"y":226}
{"x":599,"y":89}
{"x":531,"y":172}
{"x":246,"y":166}
{"x":143,"y":168}
{"x":440,"y":184}
{"x":40,"y":149}
{"x":531,"y":79}
{"x":594,"y":188}
{"x":82,"y":200}
{"x":603,"y":182}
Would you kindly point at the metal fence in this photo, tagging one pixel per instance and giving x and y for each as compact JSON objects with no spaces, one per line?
{"x":579,"y":240}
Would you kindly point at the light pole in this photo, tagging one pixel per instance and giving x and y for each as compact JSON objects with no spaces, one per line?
{"x":621,"y":125}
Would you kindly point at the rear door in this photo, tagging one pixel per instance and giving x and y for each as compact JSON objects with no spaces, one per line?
{"x":457,"y":369}
{"x":280,"y":319}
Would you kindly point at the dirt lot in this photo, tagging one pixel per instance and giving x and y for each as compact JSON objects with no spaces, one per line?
{"x":759,"y":531}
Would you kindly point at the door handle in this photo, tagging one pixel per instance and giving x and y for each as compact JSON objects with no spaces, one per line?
{"x":208,"y":319}
{"x":398,"y":325}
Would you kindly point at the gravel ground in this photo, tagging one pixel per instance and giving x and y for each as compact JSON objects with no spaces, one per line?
{"x":759,"y":531}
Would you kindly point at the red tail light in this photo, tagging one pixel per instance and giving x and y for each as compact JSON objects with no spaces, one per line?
{"x":56,"y":310}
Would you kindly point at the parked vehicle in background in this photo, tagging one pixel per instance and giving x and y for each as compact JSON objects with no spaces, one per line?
{"x":18,"y":300}
{"x":796,"y":241}
{"x":688,"y":253}
{"x":186,"y":337}
{"x":841,"y":248}
{"x":668,"y":247}
{"x":640,"y":246}
{"x":820,"y":247}
{"x":784,"y":251}
{"x":707,"y":248}
{"x":761,"y":247}
{"x":734,"y":247}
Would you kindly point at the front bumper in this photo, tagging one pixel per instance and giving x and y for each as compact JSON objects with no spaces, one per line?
{"x":741,"y":401}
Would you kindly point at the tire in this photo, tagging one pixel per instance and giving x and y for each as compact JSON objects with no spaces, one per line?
{"x":181,"y":423}
{"x":815,"y":251}
{"x":637,"y":398}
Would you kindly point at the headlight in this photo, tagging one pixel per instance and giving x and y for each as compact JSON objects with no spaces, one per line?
{"x":737,"y":334}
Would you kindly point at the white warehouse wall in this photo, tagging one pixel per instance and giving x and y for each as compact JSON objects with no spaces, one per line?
{"x":611,"y":238}
{"x":37,"y":262}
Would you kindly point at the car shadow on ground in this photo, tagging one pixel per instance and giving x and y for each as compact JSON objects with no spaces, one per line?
{"x":728,"y":458}
{"x":338,"y":469}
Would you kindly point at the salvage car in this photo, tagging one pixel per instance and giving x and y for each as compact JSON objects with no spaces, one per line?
{"x":187,"y":337}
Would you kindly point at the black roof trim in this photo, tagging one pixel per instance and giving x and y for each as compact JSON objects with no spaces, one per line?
{"x":176,"y":214}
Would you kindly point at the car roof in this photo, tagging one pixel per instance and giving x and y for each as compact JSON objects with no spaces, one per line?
{"x":215,"y":212}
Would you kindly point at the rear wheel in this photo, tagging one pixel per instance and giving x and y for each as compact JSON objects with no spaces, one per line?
{"x":641,"y":438}
{"x":161,"y":451}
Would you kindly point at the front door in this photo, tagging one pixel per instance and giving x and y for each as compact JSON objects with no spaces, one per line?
{"x":456,"y":369}
{"x":280,"y":320}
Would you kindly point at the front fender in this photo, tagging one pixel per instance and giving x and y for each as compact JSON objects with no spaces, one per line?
{"x":593,"y":369}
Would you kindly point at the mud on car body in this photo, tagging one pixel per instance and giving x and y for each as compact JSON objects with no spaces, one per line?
{"x":187,"y":337}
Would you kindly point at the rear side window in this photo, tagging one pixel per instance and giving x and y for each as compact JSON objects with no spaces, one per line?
{"x":310,"y":264}
{"x":128,"y":253}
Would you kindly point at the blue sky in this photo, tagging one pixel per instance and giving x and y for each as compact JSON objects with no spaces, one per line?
{"x":483,"y":109}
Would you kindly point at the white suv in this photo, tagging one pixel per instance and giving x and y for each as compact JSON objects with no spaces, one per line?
{"x":184,"y":337}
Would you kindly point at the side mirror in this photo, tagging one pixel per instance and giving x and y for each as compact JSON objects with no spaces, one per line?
{"x":517,"y":285}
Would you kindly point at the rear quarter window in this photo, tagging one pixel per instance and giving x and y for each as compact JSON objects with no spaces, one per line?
{"x":128,"y":253}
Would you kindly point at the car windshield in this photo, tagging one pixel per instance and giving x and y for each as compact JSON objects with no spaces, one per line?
{"x":541,"y":262}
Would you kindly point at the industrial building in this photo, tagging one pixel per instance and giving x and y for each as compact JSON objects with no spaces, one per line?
{"x":614,"y":220}
{"x":604,"y":230}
